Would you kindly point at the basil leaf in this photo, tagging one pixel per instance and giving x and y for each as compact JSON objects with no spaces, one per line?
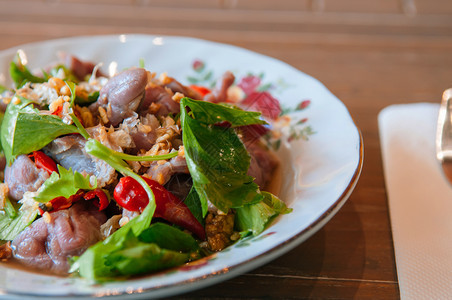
{"x":21,"y":75}
{"x":217,"y":159}
{"x":64,"y":183}
{"x":11,"y":227}
{"x":252,"y":219}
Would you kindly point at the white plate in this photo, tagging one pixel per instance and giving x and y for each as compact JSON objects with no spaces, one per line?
{"x":319,"y":173}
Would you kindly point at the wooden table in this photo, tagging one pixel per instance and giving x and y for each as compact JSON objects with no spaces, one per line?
{"x":370,"y":54}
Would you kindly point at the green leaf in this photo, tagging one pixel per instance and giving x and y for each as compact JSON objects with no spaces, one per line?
{"x":211,"y":113}
{"x":25,"y":130}
{"x":21,"y":75}
{"x":141,"y":258}
{"x":64,"y":183}
{"x":216,"y":157}
{"x":11,"y":227}
{"x":193,"y":203}
{"x":255,"y":217}
{"x":88,"y":100}
{"x":169,"y":237}
{"x":34,"y":131}
{"x":9,"y":126}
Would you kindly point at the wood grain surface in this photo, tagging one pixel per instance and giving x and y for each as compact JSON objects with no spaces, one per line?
{"x":370,"y":54}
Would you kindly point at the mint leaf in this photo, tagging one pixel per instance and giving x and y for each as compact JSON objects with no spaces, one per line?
{"x":252,"y":219}
{"x":9,"y":126}
{"x":65,"y":184}
{"x":25,"y":130}
{"x":169,"y":237}
{"x":141,"y":258}
{"x":216,"y":157}
{"x":34,"y":131}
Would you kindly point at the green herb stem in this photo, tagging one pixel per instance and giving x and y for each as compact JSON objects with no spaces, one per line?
{"x":146,"y":157}
{"x":80,"y":127}
{"x":9,"y":208}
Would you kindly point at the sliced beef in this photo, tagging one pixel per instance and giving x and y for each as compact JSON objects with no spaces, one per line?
{"x":220,"y":93}
{"x":122,"y":95}
{"x":49,"y":241}
{"x":23,"y":176}
{"x":69,"y":151}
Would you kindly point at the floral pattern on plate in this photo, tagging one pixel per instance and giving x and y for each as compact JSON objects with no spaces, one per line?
{"x":252,"y":92}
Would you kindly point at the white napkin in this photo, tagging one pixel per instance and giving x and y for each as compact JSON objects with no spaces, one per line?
{"x":420,"y":201}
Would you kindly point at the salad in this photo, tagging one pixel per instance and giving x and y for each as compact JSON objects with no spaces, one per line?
{"x":112,"y":176}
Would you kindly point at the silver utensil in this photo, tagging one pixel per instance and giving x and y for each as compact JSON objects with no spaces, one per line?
{"x":444,"y":135}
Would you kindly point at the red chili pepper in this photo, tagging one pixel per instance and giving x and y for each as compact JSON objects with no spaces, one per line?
{"x":102,"y":198}
{"x":42,"y":161}
{"x":132,"y":196}
{"x":200,"y":89}
{"x":77,"y":196}
{"x":60,"y":203}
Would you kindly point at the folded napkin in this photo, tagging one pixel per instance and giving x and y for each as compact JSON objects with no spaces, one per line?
{"x":420,"y":201}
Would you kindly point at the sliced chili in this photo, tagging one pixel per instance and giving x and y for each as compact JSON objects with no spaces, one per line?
{"x":102,"y":198}
{"x":44,"y":162}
